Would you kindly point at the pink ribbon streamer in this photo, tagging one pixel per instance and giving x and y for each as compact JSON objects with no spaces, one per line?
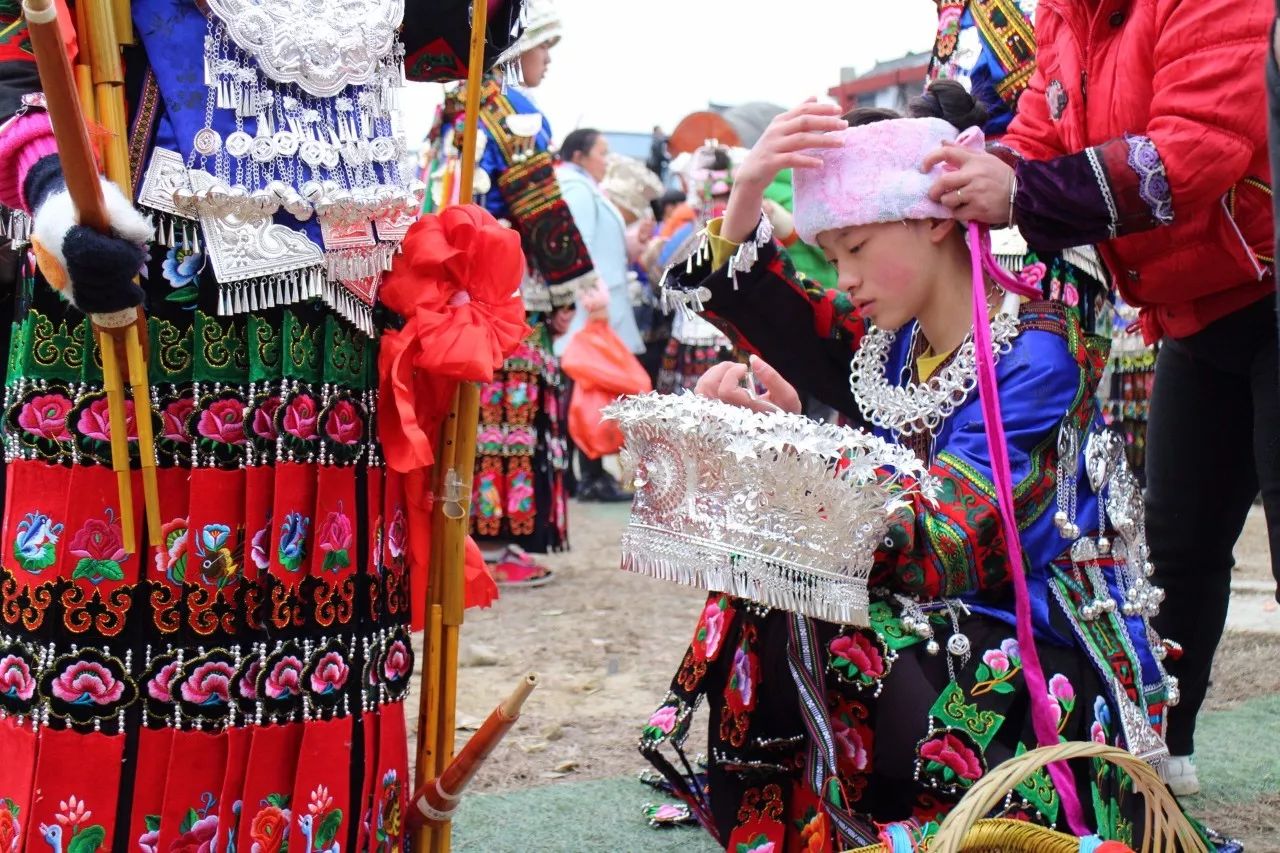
{"x":1042,"y":717}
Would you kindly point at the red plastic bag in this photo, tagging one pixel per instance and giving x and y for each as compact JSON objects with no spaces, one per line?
{"x":602,"y":369}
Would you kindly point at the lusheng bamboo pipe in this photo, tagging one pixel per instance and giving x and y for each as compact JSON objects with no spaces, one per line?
{"x":120,"y":335}
{"x":436,"y":799}
{"x":455,"y":466}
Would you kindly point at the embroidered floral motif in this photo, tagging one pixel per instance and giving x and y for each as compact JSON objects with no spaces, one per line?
{"x":336,"y":537}
{"x":264,"y":418}
{"x":714,"y":622}
{"x":300,"y":417}
{"x":94,"y":422}
{"x":209,"y":684}
{"x":72,"y":831}
{"x":344,"y":425}
{"x":181,"y":268}
{"x":10,"y":826}
{"x":662,"y":722}
{"x":388,"y":828}
{"x":100,"y":547}
{"x":45,"y":417}
{"x":86,"y":682}
{"x":16,"y":682}
{"x":330,"y":673}
{"x":1063,"y":695}
{"x":269,"y":830}
{"x":222,"y":422}
{"x":949,"y":759}
{"x":1153,"y":182}
{"x":293,"y":540}
{"x":171,"y":558}
{"x":396,"y":536}
{"x":219,"y":563}
{"x":997,"y":669}
{"x":160,"y":686}
{"x":856,"y":658}
{"x":197,"y":832}
{"x":398,"y":663}
{"x":174,"y":418}
{"x":35,"y":543}
{"x":260,"y":546}
{"x":320,"y":825}
{"x":285,"y":679}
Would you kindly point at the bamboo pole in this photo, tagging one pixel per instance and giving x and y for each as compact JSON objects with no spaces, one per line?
{"x":108,"y":85}
{"x":107,"y":23}
{"x":455,"y":466}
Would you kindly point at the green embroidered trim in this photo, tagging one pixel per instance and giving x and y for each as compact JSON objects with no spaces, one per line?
{"x":345,"y":354}
{"x":170,"y":351}
{"x":302,"y":349}
{"x":952,"y":711}
{"x":52,"y":351}
{"x":889,"y":627}
{"x":264,"y":350}
{"x":1038,"y":790}
{"x":220,"y":350}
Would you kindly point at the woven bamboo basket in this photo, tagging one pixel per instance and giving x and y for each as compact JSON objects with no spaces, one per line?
{"x":966,"y":829}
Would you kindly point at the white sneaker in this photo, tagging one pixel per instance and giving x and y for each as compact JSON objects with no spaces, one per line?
{"x":1179,"y":773}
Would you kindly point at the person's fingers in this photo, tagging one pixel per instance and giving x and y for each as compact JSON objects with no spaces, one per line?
{"x":709,"y":382}
{"x":810,"y":106}
{"x":949,"y":154}
{"x":799,"y":161}
{"x":946,"y":185}
{"x":731,"y":381}
{"x":801,"y":141}
{"x":809,"y":124}
{"x":779,"y":391}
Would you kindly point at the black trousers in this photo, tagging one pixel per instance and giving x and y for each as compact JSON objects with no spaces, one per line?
{"x":1213,"y":441}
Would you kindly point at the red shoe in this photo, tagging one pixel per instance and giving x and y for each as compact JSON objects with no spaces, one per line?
{"x":516,"y":568}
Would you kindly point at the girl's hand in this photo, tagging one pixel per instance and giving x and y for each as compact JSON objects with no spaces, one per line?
{"x":724,"y":382}
{"x":781,"y":146}
{"x":976,"y":184}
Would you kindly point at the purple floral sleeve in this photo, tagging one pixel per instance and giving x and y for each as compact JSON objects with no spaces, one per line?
{"x":1106,"y":191}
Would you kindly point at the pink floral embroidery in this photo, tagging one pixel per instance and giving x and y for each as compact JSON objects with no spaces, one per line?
{"x":15,"y":678}
{"x":223,"y":422}
{"x":210,"y":684}
{"x":344,"y":424}
{"x":95,"y":422}
{"x":330,"y":674}
{"x":46,"y":417}
{"x":160,"y":687}
{"x":285,"y":678}
{"x":264,"y":418}
{"x":398,"y":662}
{"x":300,"y":417}
{"x":174,"y":420}
{"x":664,"y":719}
{"x":87,"y":682}
{"x":336,"y":536}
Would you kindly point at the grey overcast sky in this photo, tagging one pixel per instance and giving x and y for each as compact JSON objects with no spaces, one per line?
{"x":626,"y":65}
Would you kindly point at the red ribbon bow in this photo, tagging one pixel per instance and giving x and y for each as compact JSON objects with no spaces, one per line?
{"x":457,"y":286}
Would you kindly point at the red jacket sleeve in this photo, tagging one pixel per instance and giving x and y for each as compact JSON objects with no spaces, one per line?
{"x":1208,"y":105}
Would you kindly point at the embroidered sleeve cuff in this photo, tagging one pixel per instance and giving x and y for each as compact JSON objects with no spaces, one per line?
{"x":722,"y":248}
{"x":1103,"y":192}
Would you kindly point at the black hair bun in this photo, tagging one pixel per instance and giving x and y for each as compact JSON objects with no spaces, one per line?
{"x":951,"y":102}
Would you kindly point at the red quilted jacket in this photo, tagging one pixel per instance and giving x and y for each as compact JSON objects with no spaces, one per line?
{"x":1190,"y":75}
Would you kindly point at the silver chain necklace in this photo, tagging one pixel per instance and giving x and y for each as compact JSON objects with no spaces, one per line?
{"x":920,"y":407}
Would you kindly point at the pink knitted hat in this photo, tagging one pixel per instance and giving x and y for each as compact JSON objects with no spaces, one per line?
{"x":873,"y":177}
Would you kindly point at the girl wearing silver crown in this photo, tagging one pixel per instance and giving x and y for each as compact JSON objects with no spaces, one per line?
{"x":823,"y":735}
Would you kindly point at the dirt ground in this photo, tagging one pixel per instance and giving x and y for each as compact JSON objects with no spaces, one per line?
{"x":606,"y":643}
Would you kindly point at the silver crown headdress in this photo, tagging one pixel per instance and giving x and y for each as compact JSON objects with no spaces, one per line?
{"x":773,"y":508}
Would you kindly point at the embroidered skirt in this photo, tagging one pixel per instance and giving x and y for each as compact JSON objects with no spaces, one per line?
{"x":521,"y":455}
{"x":910,"y":730}
{"x":240,"y":684}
